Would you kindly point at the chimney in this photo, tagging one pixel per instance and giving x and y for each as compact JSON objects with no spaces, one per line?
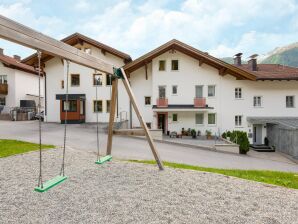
{"x":1,"y":51}
{"x":237,"y":59}
{"x":17,"y":57}
{"x":252,"y":63}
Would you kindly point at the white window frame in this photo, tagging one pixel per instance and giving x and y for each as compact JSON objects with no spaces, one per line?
{"x":175,"y":94}
{"x":238,"y":121}
{"x":178,"y":65}
{"x":159,"y":66}
{"x":201,"y":124}
{"x":208,"y":91}
{"x":293,"y":101}
{"x":236,"y":93}
{"x":2,"y":78}
{"x":214,"y":119}
{"x":256,"y":103}
{"x":145,"y":101}
{"x":173,"y":117}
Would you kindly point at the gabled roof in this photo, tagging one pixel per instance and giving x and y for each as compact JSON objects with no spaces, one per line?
{"x":273,"y":72}
{"x":202,"y":57}
{"x":16,"y":64}
{"x":80,"y":38}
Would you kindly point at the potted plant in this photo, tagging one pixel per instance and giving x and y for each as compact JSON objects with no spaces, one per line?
{"x":199,"y":133}
{"x":182,"y":131}
{"x":193,"y":133}
{"x":208,"y":134}
{"x":189,"y":132}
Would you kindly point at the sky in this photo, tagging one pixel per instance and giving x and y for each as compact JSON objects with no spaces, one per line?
{"x":220,"y":27}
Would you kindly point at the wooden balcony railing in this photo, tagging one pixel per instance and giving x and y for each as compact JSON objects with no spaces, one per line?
{"x":162,"y":102}
{"x":4,"y":89}
{"x":199,"y":102}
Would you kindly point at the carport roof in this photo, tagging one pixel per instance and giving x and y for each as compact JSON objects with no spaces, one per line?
{"x":287,"y":122}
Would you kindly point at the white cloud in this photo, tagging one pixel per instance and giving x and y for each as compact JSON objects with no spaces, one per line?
{"x":82,"y":5}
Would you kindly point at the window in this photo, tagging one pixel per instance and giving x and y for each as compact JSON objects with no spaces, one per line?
{"x":211,"y":119}
{"x":97,"y":106}
{"x":211,"y":91}
{"x":70,"y":106}
{"x":162,"y":92}
{"x":87,"y":50}
{"x":199,"y":91}
{"x":148,"y":125}
{"x":238,"y":93}
{"x":257,"y":101}
{"x":62,"y":84}
{"x":109,"y":79}
{"x":75,"y":80}
{"x":2,"y":101}
{"x":162,"y":65}
{"x":238,"y":120}
{"x":3,"y":79}
{"x":290,"y":101}
{"x":175,"y":65}
{"x":108,"y":106}
{"x":174,"y":90}
{"x":147,"y":100}
{"x":200,"y":118}
{"x":97,"y":79}
{"x":175,"y":117}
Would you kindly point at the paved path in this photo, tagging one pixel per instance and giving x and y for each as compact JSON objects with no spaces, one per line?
{"x":83,"y":137}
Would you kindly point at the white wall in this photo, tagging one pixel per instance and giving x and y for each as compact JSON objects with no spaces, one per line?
{"x":56,"y":72}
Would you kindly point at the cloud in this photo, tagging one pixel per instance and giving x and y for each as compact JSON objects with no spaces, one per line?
{"x":82,"y":5}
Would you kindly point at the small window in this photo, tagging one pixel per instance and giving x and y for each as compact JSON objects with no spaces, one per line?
{"x":70,"y":106}
{"x":175,"y":65}
{"x":162,"y":65}
{"x":211,"y":119}
{"x":257,"y":101}
{"x":97,"y":106}
{"x":97,"y":79}
{"x":109,"y":79}
{"x":148,"y":125}
{"x":3,"y":79}
{"x":238,"y":120}
{"x":108,"y":106}
{"x":290,"y":101}
{"x":75,"y":80}
{"x":174,"y":90}
{"x":2,"y":101}
{"x":147,"y":100}
{"x":62,"y":84}
{"x":200,"y":118}
{"x":238,"y":93}
{"x":87,"y":50}
{"x":175,"y":117}
{"x":199,"y":91}
{"x":211,"y":91}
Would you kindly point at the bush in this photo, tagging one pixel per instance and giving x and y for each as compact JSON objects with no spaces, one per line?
{"x":240,"y":138}
{"x":224,"y":135}
{"x":193,"y":133}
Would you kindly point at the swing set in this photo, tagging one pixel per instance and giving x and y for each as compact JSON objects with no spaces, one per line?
{"x":18,"y":33}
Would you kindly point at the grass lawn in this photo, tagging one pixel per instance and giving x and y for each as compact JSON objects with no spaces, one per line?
{"x":13,"y":147}
{"x":284,"y":179}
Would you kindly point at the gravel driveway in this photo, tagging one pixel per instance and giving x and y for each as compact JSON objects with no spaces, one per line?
{"x":122,"y":192}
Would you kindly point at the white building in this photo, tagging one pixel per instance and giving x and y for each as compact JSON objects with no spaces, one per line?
{"x":82,"y":84}
{"x":178,"y":86}
{"x":18,"y":82}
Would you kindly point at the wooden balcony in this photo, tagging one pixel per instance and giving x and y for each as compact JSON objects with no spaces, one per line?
{"x":4,"y":89}
{"x":199,"y":102}
{"x":162,"y":102}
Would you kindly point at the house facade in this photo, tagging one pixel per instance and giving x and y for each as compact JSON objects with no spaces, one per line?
{"x":83,"y":83}
{"x":18,"y":82}
{"x":179,"y":87}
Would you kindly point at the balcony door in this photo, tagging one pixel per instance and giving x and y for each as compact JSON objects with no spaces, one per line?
{"x":199,"y":91}
{"x":162,"y":92}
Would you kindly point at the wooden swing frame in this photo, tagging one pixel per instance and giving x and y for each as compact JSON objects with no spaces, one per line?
{"x":23,"y":35}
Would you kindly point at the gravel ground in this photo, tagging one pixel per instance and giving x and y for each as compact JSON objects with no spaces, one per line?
{"x":123,"y":192}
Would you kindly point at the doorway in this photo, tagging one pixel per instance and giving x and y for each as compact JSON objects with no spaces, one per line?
{"x":162,"y":122}
{"x":257,"y":134}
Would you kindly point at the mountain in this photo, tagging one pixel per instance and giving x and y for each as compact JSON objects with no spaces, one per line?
{"x":230,"y":60}
{"x":287,"y":55}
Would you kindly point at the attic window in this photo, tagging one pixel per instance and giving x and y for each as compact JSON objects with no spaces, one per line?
{"x":162,"y":65}
{"x":87,"y":50}
{"x":175,"y":65}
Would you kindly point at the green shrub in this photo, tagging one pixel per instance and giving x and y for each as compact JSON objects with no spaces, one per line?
{"x":224,"y":135}
{"x":228,"y":134}
{"x":240,"y":138}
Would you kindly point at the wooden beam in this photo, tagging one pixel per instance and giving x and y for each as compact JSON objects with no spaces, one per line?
{"x":201,"y":62}
{"x":146,"y":71}
{"x":222,"y":71}
{"x":112,"y":115}
{"x":20,"y":34}
{"x":141,"y":120}
{"x":133,"y":132}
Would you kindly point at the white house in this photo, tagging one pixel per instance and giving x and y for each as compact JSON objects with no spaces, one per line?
{"x":82,"y":84}
{"x":18,"y":81}
{"x":178,"y":86}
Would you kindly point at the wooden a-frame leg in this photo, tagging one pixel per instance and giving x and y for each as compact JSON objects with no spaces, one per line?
{"x":112,"y":115}
{"x":142,"y":122}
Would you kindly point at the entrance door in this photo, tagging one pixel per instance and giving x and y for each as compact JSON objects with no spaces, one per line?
{"x":161,"y":122}
{"x":257,"y":134}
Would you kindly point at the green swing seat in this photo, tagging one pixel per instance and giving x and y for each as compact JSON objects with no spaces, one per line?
{"x":104,"y":159}
{"x":51,"y":183}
